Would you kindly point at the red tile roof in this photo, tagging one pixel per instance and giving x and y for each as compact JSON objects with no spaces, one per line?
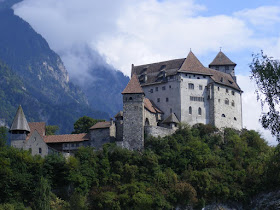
{"x":39,"y":126}
{"x":133,"y":86}
{"x":101,"y":125}
{"x":66,"y":138}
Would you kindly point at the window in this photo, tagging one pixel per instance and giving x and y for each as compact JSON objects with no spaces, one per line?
{"x":227,"y":90}
{"x":219,"y":100}
{"x":190,"y":110}
{"x":190,"y":77}
{"x":198,"y":77}
{"x":204,"y":76}
{"x":232,"y":103}
{"x":171,"y":77}
{"x":235,"y":118}
{"x":40,"y":150}
{"x":217,"y":67}
{"x":163,"y":88}
{"x":156,"y":88}
{"x":130,"y":99}
{"x":169,"y":86}
{"x":200,"y":87}
{"x":226,"y":101}
{"x":196,"y":98}
{"x":232,"y":92}
{"x":151,"y":91}
{"x":158,"y":99}
{"x":170,"y":110}
{"x":166,"y":99}
{"x":223,"y":115}
{"x":199,"y":111}
{"x":222,"y":79}
{"x":218,"y":88}
{"x":191,"y":86}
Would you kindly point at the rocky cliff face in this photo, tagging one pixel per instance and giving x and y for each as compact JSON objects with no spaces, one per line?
{"x":34,"y":76}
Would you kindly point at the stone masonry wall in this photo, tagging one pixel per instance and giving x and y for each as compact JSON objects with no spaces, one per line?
{"x":151,"y":117}
{"x":227,"y":114}
{"x":199,"y":95}
{"x":165,"y":95}
{"x":157,"y":131}
{"x":133,"y":121}
{"x":36,"y":144}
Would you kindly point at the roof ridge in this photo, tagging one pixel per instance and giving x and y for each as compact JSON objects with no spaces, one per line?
{"x":221,"y":59}
{"x":133,"y":86}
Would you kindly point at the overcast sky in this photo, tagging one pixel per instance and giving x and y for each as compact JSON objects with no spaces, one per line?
{"x":144,"y":31}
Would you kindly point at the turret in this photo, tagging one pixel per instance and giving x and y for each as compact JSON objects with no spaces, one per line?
{"x":19,"y":129}
{"x":222,"y":63}
{"x":133,"y":115}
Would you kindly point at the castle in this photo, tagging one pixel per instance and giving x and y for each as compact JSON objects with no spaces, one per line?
{"x":156,"y":99}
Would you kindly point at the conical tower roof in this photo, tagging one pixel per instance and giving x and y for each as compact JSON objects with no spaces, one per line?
{"x":133,"y":86}
{"x":20,"y":122}
{"x":222,"y":60}
{"x":193,"y":65}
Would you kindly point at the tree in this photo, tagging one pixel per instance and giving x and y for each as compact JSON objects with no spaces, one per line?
{"x":83,"y":124}
{"x":266,"y":73}
{"x":3,"y":136}
{"x":51,"y":129}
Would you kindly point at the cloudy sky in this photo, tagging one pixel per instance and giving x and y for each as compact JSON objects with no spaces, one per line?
{"x":122,"y":32}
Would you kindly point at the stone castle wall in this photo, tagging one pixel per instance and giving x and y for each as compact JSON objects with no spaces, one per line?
{"x":133,"y":121}
{"x":166,"y":95}
{"x":157,"y":131}
{"x":227,"y":114}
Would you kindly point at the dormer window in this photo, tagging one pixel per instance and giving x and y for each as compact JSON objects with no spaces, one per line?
{"x":162,"y":67}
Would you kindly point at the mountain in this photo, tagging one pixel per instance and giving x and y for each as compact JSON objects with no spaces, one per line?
{"x":35,"y":77}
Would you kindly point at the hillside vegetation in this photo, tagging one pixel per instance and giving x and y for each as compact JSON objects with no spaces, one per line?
{"x":195,"y":166}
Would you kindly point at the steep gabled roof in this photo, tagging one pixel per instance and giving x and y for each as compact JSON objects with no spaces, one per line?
{"x":20,"y":122}
{"x":101,"y":125}
{"x":149,"y":105}
{"x":66,"y":138}
{"x":133,"y":86}
{"x":193,"y":65}
{"x":40,"y":127}
{"x":171,"y":119}
{"x":222,"y":60}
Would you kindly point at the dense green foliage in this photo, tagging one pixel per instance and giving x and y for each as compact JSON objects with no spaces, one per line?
{"x":83,"y":124}
{"x":195,"y":166}
{"x":266,"y":73}
{"x":51,"y":129}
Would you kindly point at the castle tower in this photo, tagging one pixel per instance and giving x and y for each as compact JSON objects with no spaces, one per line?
{"x":222,"y":63}
{"x":133,"y":115}
{"x":19,"y":129}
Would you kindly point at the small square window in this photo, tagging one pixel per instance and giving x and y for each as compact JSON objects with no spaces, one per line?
{"x":156,"y":88}
{"x":163,"y":87}
{"x":158,"y":99}
{"x":40,"y":150}
{"x":169,"y":86}
{"x":227,"y":90}
{"x":151,"y":91}
{"x":200,"y":87}
{"x":166,"y":99}
{"x":232,"y":93}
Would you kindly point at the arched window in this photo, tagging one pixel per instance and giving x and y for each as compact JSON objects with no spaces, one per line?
{"x":199,"y":111}
{"x":232,"y":103}
{"x":226,"y":101}
{"x":223,"y":115}
{"x":147,"y":122}
{"x":190,"y":110}
{"x":191,"y":86}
